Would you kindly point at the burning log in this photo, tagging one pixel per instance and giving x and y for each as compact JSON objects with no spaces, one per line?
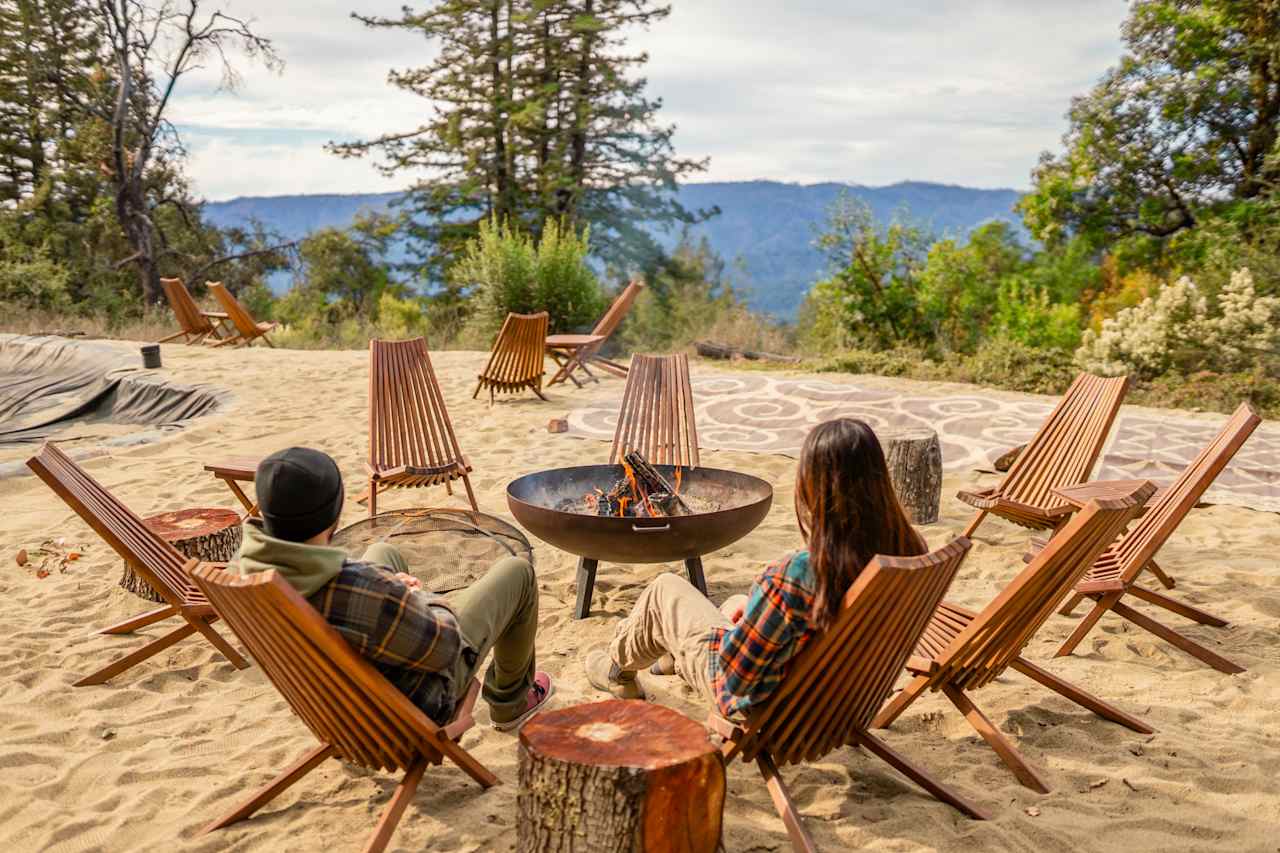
{"x":655,"y":484}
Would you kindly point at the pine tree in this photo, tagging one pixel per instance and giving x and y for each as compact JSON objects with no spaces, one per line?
{"x":536,"y":116}
{"x":48,"y":49}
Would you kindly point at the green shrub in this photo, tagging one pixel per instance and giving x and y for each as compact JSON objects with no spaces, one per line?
{"x":1009,"y":364}
{"x":1024,"y":314}
{"x":508,"y":273}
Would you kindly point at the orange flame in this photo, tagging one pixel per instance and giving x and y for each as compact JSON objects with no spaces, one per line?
{"x":679,"y":478}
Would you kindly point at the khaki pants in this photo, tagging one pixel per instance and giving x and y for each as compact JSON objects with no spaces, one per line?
{"x":671,"y":616}
{"x":497,"y":613}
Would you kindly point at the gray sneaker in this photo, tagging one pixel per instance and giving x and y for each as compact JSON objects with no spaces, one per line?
{"x":605,"y":675}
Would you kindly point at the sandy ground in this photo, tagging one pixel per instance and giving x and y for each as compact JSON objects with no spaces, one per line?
{"x":143,"y":762}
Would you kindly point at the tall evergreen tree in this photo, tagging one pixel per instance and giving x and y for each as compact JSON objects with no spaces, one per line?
{"x":537,"y":114}
{"x":48,"y":49}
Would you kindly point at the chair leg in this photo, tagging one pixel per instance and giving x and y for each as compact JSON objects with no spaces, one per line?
{"x":1172,"y":637}
{"x":152,"y":648}
{"x":1082,"y":698}
{"x":471,"y":495}
{"x":1007,"y":751}
{"x":1165,"y":581}
{"x":373,"y":498}
{"x":1100,"y":606}
{"x":273,"y":789}
{"x":920,"y":776}
{"x":1185,"y":610}
{"x":1072,"y":603}
{"x":894,"y":709}
{"x":800,"y":839}
{"x":219,"y":642}
{"x":142,"y":620}
{"x":399,"y":802}
{"x":974,"y":522}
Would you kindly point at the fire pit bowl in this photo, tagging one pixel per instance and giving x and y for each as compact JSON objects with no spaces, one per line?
{"x":549,"y":504}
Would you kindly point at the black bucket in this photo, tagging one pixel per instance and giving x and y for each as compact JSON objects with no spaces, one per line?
{"x":151,"y":356}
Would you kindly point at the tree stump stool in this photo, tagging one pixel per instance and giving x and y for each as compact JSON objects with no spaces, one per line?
{"x":915,"y":467}
{"x":618,"y":777}
{"x":210,"y":534}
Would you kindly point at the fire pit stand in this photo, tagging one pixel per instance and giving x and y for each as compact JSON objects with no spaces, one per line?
{"x":587,"y":582}
{"x":547,"y":505}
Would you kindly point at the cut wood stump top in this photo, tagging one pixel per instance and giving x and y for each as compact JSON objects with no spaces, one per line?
{"x":617,"y":733}
{"x":189,"y":523}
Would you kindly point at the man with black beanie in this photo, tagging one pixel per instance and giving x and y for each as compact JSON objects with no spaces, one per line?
{"x":428,"y":647}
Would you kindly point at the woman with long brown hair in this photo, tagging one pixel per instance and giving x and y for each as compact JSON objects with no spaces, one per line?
{"x":736,"y":655}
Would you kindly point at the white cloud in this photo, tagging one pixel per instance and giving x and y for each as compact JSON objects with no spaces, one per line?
{"x":960,"y":91}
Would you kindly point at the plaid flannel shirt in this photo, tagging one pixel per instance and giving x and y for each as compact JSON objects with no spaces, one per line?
{"x":410,"y":636}
{"x":749,"y":660}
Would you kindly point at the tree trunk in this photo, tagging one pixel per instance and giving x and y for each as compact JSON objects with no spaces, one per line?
{"x":915,"y":467}
{"x":618,"y":777}
{"x":212,"y":535}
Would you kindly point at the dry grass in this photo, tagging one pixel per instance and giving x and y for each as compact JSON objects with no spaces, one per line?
{"x":151,"y":326}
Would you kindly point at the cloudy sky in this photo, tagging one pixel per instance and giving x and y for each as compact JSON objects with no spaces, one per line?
{"x":860,"y":91}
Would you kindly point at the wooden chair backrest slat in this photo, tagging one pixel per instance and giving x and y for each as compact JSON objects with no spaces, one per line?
{"x":155,"y":560}
{"x":657,"y":417}
{"x":997,"y":635}
{"x":244,"y":322}
{"x":839,"y":681}
{"x":408,"y":419}
{"x":1068,"y":443}
{"x":516,"y":359}
{"x":337,"y":694}
{"x":1151,"y":531}
{"x":618,"y":311}
{"x":190,"y":317}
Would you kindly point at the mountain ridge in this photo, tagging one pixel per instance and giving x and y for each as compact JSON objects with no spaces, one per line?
{"x":765,"y":230}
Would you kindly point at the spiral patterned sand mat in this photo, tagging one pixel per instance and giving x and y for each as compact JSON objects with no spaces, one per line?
{"x":772,"y":414}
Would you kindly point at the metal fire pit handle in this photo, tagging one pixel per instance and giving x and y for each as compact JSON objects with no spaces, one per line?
{"x":638,"y":529}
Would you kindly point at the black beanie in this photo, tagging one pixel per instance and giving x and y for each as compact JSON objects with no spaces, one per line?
{"x":299,"y":493}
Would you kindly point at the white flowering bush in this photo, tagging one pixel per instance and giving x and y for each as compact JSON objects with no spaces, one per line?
{"x":1178,"y":326}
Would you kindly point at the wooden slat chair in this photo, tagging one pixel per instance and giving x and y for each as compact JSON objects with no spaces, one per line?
{"x":153,"y":559}
{"x":962,"y":651}
{"x":197,"y":324}
{"x":575,"y":352}
{"x":516,"y":360}
{"x":411,"y":439}
{"x":840,"y":679}
{"x":247,"y":329}
{"x":657,"y":417}
{"x":356,"y":714}
{"x":1062,"y":453}
{"x":1115,"y":573}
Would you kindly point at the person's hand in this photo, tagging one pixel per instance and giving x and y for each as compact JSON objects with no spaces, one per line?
{"x":736,"y":616}
{"x":409,"y":580}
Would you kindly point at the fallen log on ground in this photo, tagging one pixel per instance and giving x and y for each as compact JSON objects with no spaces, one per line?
{"x":710,"y":349}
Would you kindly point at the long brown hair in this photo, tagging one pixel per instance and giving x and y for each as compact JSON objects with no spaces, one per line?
{"x":847,"y":510}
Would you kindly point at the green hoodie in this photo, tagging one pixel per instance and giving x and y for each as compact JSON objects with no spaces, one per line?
{"x":307,"y":568}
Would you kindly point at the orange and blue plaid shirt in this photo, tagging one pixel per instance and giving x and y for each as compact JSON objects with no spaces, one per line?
{"x":749,"y":660}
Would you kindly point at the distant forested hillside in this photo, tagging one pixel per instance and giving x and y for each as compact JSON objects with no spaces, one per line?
{"x":765,"y":229}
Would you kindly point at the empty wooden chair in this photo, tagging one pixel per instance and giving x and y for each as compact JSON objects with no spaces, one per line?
{"x":247,"y":329}
{"x":356,"y":714}
{"x":837,"y":683}
{"x":411,"y":439}
{"x":657,"y":417}
{"x":961,"y":651}
{"x":575,"y":352}
{"x":516,"y":360}
{"x":1062,"y":453}
{"x":196,"y":324}
{"x":153,"y":559}
{"x":1115,"y":573}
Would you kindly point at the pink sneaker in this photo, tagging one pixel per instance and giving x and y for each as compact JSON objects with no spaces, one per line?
{"x":539,"y":693}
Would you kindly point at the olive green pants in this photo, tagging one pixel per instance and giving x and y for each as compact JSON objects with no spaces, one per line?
{"x":498,"y":613}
